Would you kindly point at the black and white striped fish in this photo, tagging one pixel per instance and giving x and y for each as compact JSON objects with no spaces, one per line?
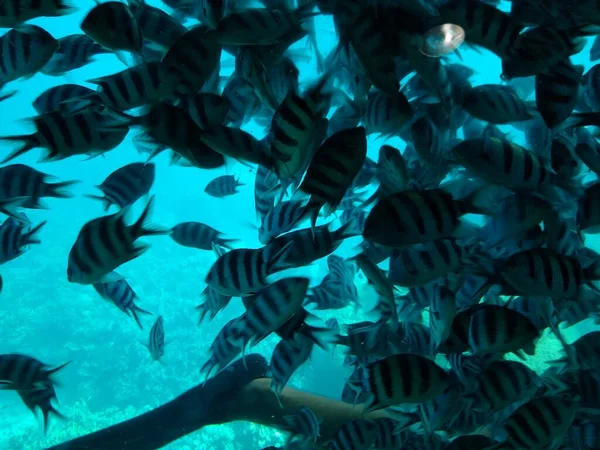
{"x":404,"y":378}
{"x":16,"y":237}
{"x":243,"y":271}
{"x":223,"y":186}
{"x":273,"y":307}
{"x":63,"y":135}
{"x":126,"y":185}
{"x":103,"y":244}
{"x":122,"y":295}
{"x":305,"y":426}
{"x":199,"y":235}
{"x":25,"y":51}
{"x":15,"y":13}
{"x":143,"y":84}
{"x":156,"y":340}
{"x":21,"y":372}
{"x":113,"y":26}
{"x":283,"y":217}
{"x":287,"y":357}
{"x":332,"y":170}
{"x":19,"y":180}
{"x":213,"y":303}
{"x":69,"y":98}
{"x":74,"y":52}
{"x":193,"y":59}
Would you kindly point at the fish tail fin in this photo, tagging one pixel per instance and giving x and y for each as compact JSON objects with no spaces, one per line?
{"x":59,"y":190}
{"x":28,"y":142}
{"x":29,"y":236}
{"x":105,"y":202}
{"x":142,"y":226}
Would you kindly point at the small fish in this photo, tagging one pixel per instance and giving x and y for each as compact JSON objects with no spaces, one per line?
{"x":21,"y":372}
{"x":41,"y":398}
{"x":223,"y":186}
{"x":70,"y":98}
{"x":156,"y":340}
{"x":113,"y":26}
{"x":103,"y":244}
{"x":24,"y":51}
{"x":244,"y":271}
{"x":284,"y":217}
{"x":199,"y":235}
{"x":74,"y":51}
{"x":15,"y":238}
{"x":404,"y":378}
{"x":19,"y":180}
{"x":17,"y":12}
{"x":273,"y":307}
{"x":213,"y":304}
{"x":500,"y":329}
{"x":287,"y":357}
{"x":305,"y":426}
{"x":122,"y":295}
{"x":126,"y":185}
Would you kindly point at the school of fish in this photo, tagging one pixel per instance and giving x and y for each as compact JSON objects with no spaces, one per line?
{"x":473,"y":245}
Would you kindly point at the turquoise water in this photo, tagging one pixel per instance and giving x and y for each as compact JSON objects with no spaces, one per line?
{"x":111,"y":376}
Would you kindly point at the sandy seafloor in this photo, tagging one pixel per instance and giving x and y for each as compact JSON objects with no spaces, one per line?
{"x":111,"y":376}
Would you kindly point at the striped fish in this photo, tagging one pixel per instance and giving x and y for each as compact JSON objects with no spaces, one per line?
{"x":359,"y":28}
{"x":333,"y":169}
{"x":68,"y":98}
{"x":113,"y":26}
{"x":484,"y":25}
{"x":543,"y":272}
{"x":503,"y":383}
{"x":287,"y":357}
{"x":442,"y":310}
{"x":355,"y":434}
{"x":156,"y":25}
{"x":274,"y":306}
{"x":199,"y":235}
{"x":243,"y":271}
{"x":126,"y":185}
{"x":412,"y":217}
{"x":193,"y":58}
{"x":24,"y":52}
{"x":42,"y":398}
{"x":156,"y":340}
{"x":122,"y":295}
{"x":385,"y":114}
{"x":236,"y":143}
{"x":74,"y":51}
{"x":283,"y":217}
{"x":556,"y":91}
{"x":538,"y":422}
{"x":63,"y":135}
{"x":16,"y":237}
{"x":213,"y":304}
{"x":494,"y":103}
{"x":265,"y":191}
{"x":143,"y":84}
{"x":227,"y":346}
{"x":207,"y":110}
{"x":500,"y":329}
{"x":17,"y":12}
{"x":505,"y":163}
{"x":305,"y":426}
{"x":173,"y":128}
{"x":306,"y":249}
{"x":259,"y":26}
{"x":103,"y":244}
{"x":21,"y":372}
{"x":404,"y":378}
{"x":20,"y":180}
{"x":223,"y":186}
{"x":293,"y":129}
